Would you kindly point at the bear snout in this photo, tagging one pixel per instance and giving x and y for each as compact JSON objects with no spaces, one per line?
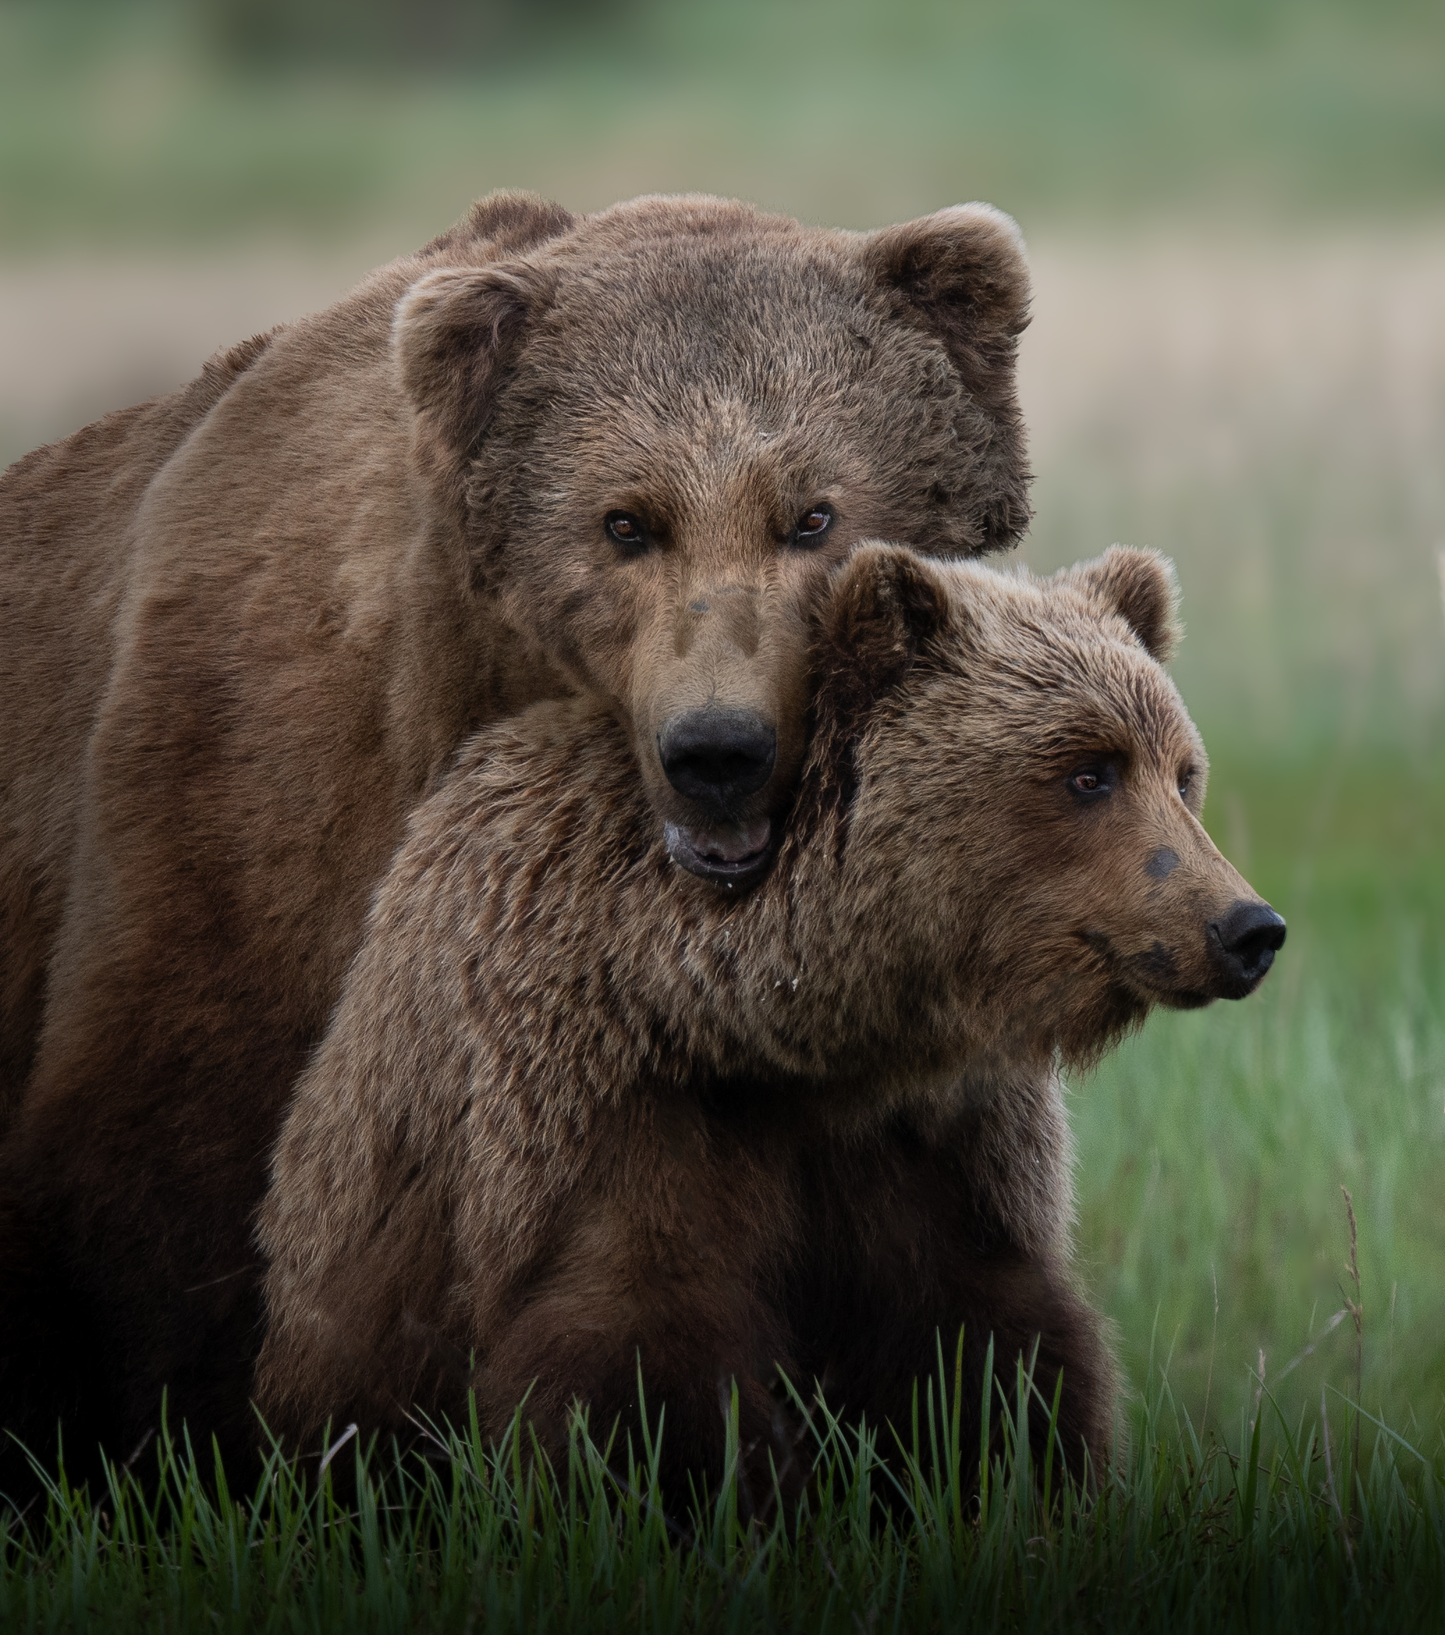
{"x":717,"y":760}
{"x":1242,"y":946}
{"x":717,"y":757}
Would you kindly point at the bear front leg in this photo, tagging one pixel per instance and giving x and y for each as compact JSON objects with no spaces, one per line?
{"x":908,"y":1254}
{"x":667,"y":1266}
{"x":539,"y":1259}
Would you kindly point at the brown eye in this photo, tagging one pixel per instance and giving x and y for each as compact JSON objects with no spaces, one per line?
{"x":1094,"y":782}
{"x":813,"y":524}
{"x":1185,"y":779}
{"x":625,"y":530}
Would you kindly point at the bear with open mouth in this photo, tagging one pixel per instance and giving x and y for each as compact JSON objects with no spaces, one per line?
{"x":577,"y":1111}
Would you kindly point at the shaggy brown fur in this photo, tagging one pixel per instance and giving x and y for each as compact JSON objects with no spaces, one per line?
{"x":575,"y":1108}
{"x":246,"y":628}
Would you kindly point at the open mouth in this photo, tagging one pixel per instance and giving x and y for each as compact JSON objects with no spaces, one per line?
{"x":731,"y":855}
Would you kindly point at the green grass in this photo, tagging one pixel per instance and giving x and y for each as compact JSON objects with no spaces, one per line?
{"x":1213,"y":1147}
{"x":1291,"y":1526}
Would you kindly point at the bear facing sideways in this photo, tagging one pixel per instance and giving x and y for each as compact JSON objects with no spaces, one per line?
{"x":576,"y":1111}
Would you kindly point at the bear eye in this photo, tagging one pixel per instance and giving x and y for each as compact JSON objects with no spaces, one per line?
{"x":1186,"y":778}
{"x":626,"y":530}
{"x":812,"y":525}
{"x":1093,"y":782}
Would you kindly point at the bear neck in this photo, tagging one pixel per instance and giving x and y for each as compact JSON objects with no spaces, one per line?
{"x":818,"y":980}
{"x":813,"y":986}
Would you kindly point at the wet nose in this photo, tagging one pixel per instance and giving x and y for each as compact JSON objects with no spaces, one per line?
{"x":717,"y":756}
{"x":1245,"y":942}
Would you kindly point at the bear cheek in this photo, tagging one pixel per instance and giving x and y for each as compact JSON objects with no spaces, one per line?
{"x":592,"y":614}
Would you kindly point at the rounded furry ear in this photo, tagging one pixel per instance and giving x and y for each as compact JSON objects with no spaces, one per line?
{"x":962,"y":275}
{"x":884,"y":604}
{"x":504,"y":223}
{"x":454,"y":333}
{"x":1141,"y":588}
{"x":964,"y":269}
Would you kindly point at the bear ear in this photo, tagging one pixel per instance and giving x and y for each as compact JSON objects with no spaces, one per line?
{"x":454,"y":334}
{"x":1141,"y":588}
{"x":504,"y":223}
{"x":884,"y":605}
{"x":962,"y":275}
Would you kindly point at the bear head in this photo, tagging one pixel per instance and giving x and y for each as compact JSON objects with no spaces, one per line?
{"x":661,"y":427}
{"x":1002,"y":808}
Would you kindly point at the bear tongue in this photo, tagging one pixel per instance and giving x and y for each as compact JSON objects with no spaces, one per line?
{"x":732,"y":842}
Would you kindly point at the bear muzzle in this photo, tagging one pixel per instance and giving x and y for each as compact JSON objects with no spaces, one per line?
{"x":717,"y":760}
{"x":1228,"y":961}
{"x":1242,"y":945}
{"x":1239,"y":946}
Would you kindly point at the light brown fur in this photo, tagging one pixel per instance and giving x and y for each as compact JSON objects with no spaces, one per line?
{"x":575,"y":1108}
{"x":246,"y":628}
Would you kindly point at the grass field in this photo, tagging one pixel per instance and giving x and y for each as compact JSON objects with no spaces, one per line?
{"x":1303,"y":1527}
{"x":1267,"y":414}
{"x":1237,"y":218}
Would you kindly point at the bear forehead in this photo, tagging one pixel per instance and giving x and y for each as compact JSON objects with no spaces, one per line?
{"x":733,"y":284}
{"x":757,"y":316}
{"x":812,"y":393}
{"x":1052,"y":670}
{"x":1020,"y":718}
{"x":795,"y":379}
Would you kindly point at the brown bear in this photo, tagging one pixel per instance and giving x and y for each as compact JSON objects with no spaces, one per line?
{"x":246,"y":628}
{"x":575,"y":1110}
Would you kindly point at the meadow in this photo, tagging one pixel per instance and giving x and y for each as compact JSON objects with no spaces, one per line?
{"x":1303,"y":1527}
{"x":1266,"y":413}
{"x":1237,"y":223}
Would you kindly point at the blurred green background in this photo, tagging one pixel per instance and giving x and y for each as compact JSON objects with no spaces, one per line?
{"x":1237,"y":217}
{"x":142,"y":117}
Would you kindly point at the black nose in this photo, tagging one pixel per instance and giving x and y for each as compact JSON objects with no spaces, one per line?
{"x":717,"y":756}
{"x":1245,"y":943}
